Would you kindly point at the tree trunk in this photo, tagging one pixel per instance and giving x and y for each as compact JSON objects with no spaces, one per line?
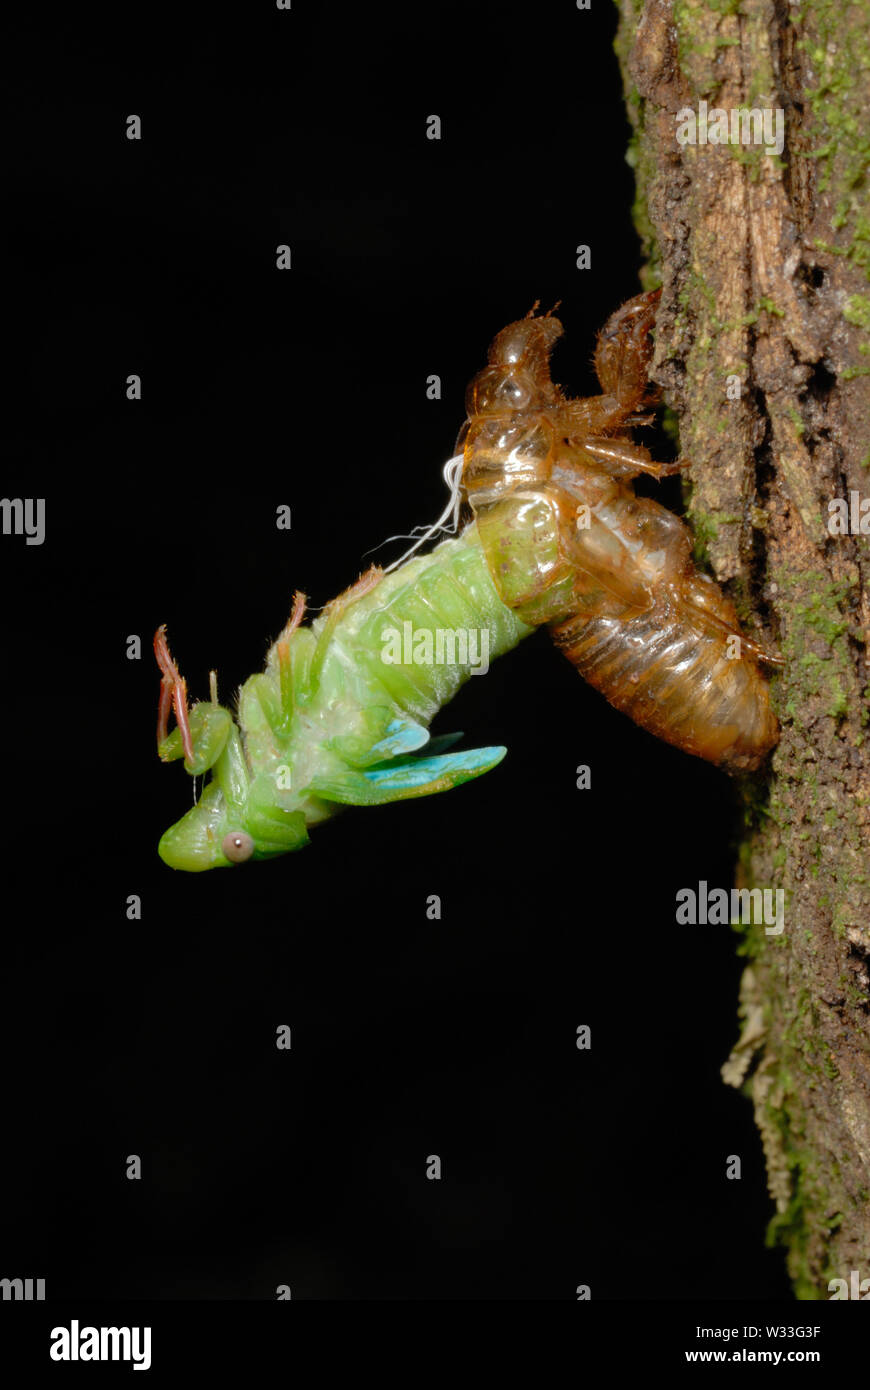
{"x":763,"y":350}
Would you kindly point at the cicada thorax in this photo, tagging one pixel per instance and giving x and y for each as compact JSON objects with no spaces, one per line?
{"x":509,"y":442}
{"x":569,"y":544}
{"x":509,"y":446}
{"x":504,"y":455}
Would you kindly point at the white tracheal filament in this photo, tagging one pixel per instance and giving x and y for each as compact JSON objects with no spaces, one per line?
{"x":448,"y":521}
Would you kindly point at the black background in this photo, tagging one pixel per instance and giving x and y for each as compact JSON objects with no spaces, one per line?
{"x":307,"y":388}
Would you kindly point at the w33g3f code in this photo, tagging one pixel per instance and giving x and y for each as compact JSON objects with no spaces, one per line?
{"x":726,"y":1333}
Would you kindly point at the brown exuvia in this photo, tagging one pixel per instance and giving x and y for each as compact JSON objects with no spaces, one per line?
{"x":609,"y":573}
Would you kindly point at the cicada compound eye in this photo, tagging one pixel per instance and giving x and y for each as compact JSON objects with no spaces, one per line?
{"x":238,"y":846}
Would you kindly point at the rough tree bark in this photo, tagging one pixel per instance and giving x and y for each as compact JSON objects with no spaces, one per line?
{"x":763,"y":350}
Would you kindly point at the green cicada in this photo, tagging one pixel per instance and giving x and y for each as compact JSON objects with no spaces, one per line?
{"x":340,"y":715}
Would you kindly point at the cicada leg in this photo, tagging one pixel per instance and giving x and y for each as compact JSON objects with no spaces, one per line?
{"x":334,"y":611}
{"x":282,"y":650}
{"x":713,"y":609}
{"x":622,"y":360}
{"x":173,"y":695}
{"x":625,"y":459}
{"x":624,"y":351}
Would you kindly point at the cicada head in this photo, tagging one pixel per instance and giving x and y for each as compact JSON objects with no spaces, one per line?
{"x":237,"y":817}
{"x":252,"y":806}
{"x":204,"y":838}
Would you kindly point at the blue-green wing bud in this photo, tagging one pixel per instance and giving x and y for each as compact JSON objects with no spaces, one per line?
{"x":379,"y":735}
{"x":408,"y":778}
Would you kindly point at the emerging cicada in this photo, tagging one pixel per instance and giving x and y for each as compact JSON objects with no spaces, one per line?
{"x":569,"y":544}
{"x":558,"y":538}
